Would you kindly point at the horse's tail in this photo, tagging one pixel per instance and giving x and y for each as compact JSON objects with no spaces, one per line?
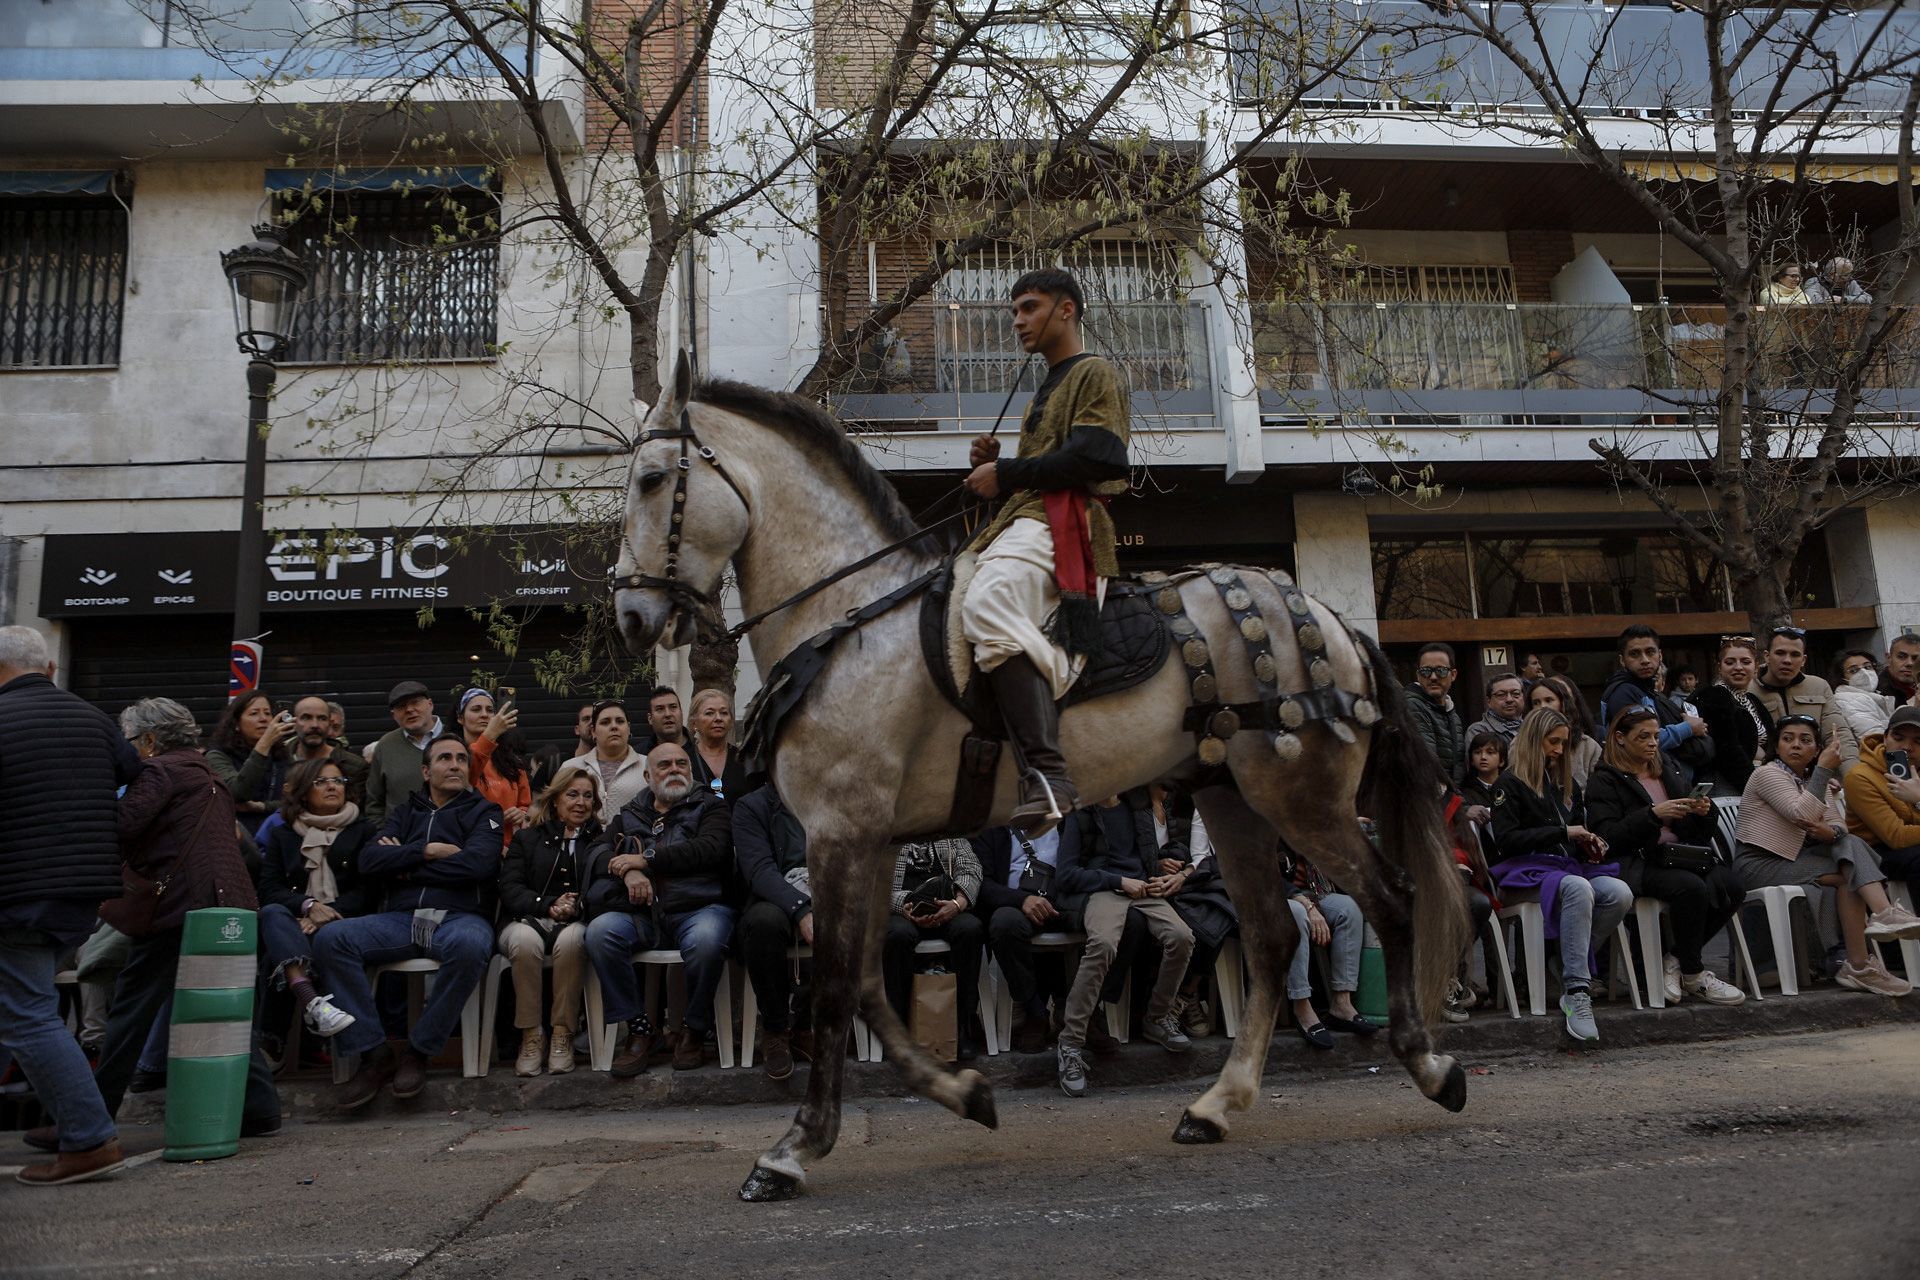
{"x":1402,"y":789}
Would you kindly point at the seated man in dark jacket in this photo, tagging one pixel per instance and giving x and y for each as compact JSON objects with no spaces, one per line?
{"x":660,"y":872}
{"x":770,"y":848}
{"x":1017,"y":901}
{"x":434,"y":862}
{"x":1110,"y":869}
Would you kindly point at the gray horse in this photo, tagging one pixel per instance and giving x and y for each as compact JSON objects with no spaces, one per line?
{"x":727,"y":472}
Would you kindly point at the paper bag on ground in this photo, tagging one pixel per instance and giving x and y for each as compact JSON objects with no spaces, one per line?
{"x":935,"y":1022}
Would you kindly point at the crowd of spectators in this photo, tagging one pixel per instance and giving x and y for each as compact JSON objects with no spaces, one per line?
{"x":451,"y":840}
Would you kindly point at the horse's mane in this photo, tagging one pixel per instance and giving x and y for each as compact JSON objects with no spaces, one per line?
{"x":807,"y":424}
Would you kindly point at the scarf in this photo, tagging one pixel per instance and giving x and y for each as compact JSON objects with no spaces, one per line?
{"x":317,"y":832}
{"x":1508,"y":728}
{"x":1076,"y":623}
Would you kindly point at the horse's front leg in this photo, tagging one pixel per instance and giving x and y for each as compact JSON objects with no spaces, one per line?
{"x":967,"y":1094}
{"x":842,"y":876}
{"x":1245,"y":846}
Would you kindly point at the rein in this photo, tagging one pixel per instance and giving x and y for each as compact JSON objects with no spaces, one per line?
{"x":670,"y":582}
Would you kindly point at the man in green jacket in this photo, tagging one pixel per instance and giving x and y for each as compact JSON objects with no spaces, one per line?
{"x":1430,"y":698}
{"x":395,"y":773}
{"x":1032,"y":610}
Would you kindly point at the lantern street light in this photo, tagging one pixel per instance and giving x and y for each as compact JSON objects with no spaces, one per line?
{"x":267,"y":279}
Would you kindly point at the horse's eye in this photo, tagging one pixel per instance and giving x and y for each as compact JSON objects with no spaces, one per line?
{"x":652,"y":480}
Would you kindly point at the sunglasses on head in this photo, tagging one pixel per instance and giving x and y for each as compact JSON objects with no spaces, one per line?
{"x":1797,"y":633}
{"x":1736,"y":639}
{"x":1433,"y":672}
{"x":1808,"y":721}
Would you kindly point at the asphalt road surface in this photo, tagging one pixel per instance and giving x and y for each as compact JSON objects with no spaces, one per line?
{"x":1788,"y":1156}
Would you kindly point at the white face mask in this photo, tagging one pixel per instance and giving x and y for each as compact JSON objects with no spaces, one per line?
{"x":1865,"y":678}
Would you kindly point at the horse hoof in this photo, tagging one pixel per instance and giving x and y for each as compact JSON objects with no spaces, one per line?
{"x":1453,"y":1094}
{"x":1194,"y":1131}
{"x":765,"y":1186}
{"x":979,"y":1106}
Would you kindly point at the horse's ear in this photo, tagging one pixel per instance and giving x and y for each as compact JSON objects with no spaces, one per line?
{"x":682,"y":381}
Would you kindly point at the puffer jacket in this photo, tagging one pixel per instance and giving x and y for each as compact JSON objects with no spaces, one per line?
{"x":1852,"y":715}
{"x":1874,"y":813}
{"x":177,"y":829}
{"x":61,"y":761}
{"x":1439,"y":725}
{"x":692,"y":848}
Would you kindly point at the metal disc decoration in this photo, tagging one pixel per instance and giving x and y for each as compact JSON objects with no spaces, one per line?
{"x":1238,"y":599}
{"x":1292,"y":714}
{"x":1254,"y":628}
{"x":1342,"y":731}
{"x":1205,"y":687}
{"x":1182,"y":627}
{"x":1212,"y":752}
{"x":1310,"y":637}
{"x":1366,"y":713}
{"x":1169,"y":601}
{"x":1287,"y":746}
{"x":1195,"y":652}
{"x":1320,"y":671}
{"x":1224,"y":724}
{"x":1222,"y":576}
{"x":1264,"y":670}
{"x":1153,"y":577}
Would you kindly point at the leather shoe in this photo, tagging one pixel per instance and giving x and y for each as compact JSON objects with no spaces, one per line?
{"x":801,"y":1039}
{"x":1099,"y":1039}
{"x":1352,"y":1026}
{"x":364,"y":1085}
{"x":260,"y":1126}
{"x":75,"y":1166}
{"x":410,"y":1077}
{"x":779,"y":1050}
{"x":686,"y":1049}
{"x":45,"y":1138}
{"x":632,"y":1058}
{"x":1317,"y":1036}
{"x":1030,"y":1035}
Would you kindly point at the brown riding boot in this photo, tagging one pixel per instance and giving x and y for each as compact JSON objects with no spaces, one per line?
{"x":1033,"y":719}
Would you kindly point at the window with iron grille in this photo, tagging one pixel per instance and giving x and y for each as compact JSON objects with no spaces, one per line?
{"x":1374,"y":283}
{"x":63,"y":274}
{"x":397,"y":277}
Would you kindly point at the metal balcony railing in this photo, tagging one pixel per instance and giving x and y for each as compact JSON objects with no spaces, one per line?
{"x":1410,"y":346}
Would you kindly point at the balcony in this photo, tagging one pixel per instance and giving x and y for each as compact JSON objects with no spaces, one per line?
{"x":948,"y":366}
{"x":1516,"y":363}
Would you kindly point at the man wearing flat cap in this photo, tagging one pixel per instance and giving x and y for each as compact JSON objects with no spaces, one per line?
{"x":395,"y":772}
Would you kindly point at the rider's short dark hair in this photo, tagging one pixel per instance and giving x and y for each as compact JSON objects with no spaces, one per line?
{"x":1055,"y":283}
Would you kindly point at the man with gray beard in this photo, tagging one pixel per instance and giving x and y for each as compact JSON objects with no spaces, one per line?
{"x":659,"y":878}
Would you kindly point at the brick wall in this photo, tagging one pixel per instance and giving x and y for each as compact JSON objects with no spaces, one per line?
{"x":1537,"y":257}
{"x":664,"y":49}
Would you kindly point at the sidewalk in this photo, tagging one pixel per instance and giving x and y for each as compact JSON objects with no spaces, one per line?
{"x":1488,"y":1037}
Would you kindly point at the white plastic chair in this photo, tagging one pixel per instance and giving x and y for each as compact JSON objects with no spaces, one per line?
{"x":1533,"y":943}
{"x":933,"y":947}
{"x":1002,"y":1026}
{"x":490,"y":1001}
{"x":1909,"y":949}
{"x":750,"y":1018}
{"x":1776,"y":898}
{"x":1647,"y":913}
{"x":603,"y":1035}
{"x":421,"y":971}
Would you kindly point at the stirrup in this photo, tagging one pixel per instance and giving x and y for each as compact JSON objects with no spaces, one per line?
{"x":1053,"y":803}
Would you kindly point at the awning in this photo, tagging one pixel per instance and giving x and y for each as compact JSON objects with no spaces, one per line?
{"x":1668,"y":169}
{"x":56,"y":182}
{"x":477,"y":177}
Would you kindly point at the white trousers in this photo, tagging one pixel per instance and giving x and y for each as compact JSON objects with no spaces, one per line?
{"x":1010,"y":601}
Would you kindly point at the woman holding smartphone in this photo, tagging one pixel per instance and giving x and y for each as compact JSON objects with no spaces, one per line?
{"x":1544,"y":850}
{"x":248,"y":757}
{"x":1662,"y":836}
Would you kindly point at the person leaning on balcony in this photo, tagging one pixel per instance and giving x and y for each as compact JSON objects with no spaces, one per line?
{"x":1783,"y":288}
{"x":1836,"y":283}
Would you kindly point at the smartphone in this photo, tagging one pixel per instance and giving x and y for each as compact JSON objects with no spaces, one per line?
{"x":1701,"y":790}
{"x":285,"y":717}
{"x":1898,"y":766}
{"x":506,"y":692}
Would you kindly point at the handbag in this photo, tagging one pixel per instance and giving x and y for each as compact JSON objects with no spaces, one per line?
{"x":1036,"y":877}
{"x":936,"y":888}
{"x":1697,"y":858}
{"x":138,"y":906}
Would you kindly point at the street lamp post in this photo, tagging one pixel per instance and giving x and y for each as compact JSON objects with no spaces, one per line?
{"x":267,"y":278}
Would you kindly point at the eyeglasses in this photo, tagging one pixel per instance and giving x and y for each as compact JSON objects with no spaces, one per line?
{"x":329,"y":782}
{"x":1433,"y":673}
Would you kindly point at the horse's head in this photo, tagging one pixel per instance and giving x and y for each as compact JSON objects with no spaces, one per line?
{"x":684,"y":520}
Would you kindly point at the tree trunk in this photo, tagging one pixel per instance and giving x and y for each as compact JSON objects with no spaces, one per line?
{"x":1765,"y":596}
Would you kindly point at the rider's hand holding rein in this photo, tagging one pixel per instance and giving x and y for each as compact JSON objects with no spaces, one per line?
{"x":985,"y":449}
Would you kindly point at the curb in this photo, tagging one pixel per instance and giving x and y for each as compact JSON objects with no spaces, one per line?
{"x":1487,"y":1036}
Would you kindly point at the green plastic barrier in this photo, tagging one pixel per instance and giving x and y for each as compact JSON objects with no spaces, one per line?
{"x":211,"y":1038}
{"x":1370,"y":1001}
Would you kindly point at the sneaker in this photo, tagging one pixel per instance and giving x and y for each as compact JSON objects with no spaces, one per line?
{"x":1455,"y":1010}
{"x":1073,"y":1071}
{"x":1706,"y":985}
{"x":1577,"y":1006}
{"x":1166,"y":1033}
{"x":560,"y":1052}
{"x":1675,"y":988}
{"x":779,"y":1050}
{"x":325,"y":1018}
{"x":1191,"y":1013}
{"x":1895,"y":922}
{"x":74,"y":1166}
{"x":1871,"y":978}
{"x":533,"y":1052}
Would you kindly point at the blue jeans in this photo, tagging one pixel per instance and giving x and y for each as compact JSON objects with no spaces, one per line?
{"x":1588,"y":910}
{"x":702,"y":937}
{"x":31,"y":1030}
{"x":345,"y":949}
{"x":1343,"y":952}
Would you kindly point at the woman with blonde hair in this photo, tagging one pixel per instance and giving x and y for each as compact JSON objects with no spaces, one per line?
{"x":1544,"y":850}
{"x":543,"y":885}
{"x":709,"y":721}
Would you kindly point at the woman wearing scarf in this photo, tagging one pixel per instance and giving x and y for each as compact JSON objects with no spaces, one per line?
{"x":542,"y":886}
{"x":310,"y":877}
{"x":499,"y":768}
{"x":1545,"y":851}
